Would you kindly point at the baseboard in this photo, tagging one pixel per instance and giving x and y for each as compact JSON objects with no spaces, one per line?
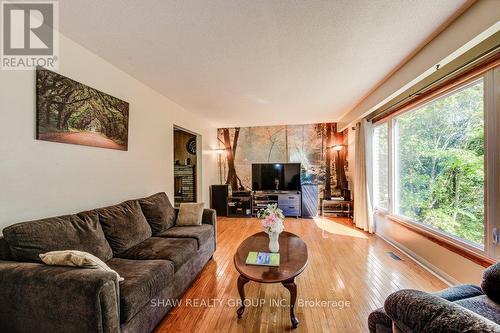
{"x":446,"y":278}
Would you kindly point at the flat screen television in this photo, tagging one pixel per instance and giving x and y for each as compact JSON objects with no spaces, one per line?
{"x":276,"y":177}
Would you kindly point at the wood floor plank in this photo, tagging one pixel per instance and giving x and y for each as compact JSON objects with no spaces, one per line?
{"x":345,"y":265}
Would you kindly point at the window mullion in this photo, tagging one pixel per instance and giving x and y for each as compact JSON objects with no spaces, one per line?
{"x":492,"y":162}
{"x":392,"y":166}
{"x":390,"y":172}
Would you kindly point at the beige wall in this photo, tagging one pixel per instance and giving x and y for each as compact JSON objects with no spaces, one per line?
{"x":447,"y":264}
{"x":40,"y":178}
{"x":480,"y":19}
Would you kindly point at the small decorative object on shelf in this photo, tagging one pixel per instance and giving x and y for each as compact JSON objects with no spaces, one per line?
{"x":272,"y":220}
{"x":191,"y":146}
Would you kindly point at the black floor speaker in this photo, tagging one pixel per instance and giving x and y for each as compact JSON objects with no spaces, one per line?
{"x":218,"y":199}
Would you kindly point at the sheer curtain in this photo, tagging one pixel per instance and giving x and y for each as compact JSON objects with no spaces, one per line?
{"x":363,"y":211}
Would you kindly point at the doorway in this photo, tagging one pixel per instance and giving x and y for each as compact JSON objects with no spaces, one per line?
{"x":185,"y":166}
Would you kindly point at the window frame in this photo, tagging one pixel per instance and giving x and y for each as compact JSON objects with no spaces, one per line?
{"x":491,"y":99}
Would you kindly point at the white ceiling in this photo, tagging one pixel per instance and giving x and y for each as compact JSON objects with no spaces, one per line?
{"x":248,"y":62}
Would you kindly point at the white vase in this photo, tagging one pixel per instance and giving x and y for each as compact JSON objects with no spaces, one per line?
{"x":274,"y":245}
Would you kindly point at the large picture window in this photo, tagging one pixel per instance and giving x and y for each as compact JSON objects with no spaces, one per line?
{"x":439,"y":164}
{"x":381,"y":166}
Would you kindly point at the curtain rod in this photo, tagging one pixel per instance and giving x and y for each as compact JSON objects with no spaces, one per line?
{"x":489,"y":53}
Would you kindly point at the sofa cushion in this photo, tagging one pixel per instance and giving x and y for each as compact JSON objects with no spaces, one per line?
{"x":27,"y":240}
{"x":459,"y":292}
{"x":159,"y":212}
{"x":202,"y":233}
{"x":190,"y":214}
{"x":483,"y":306}
{"x":124,"y":225}
{"x":177,"y":250}
{"x":144,"y":279}
{"x":491,"y":282}
{"x":5,"y":253}
{"x":72,"y":258}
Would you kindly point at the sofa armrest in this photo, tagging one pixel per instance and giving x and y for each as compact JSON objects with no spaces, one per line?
{"x":210,"y":217}
{"x":417,"y":311}
{"x":41,"y":298}
{"x":379,"y":322}
{"x":491,"y":282}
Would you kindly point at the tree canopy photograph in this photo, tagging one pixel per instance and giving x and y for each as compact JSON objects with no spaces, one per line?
{"x":440,"y":154}
{"x":308,"y":144}
{"x":71,"y":112}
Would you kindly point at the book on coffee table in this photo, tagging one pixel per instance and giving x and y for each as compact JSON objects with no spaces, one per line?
{"x":263,"y":259}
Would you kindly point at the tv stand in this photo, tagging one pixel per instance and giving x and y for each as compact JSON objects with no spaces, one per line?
{"x":290,"y":202}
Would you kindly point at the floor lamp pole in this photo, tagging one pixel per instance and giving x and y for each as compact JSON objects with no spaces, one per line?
{"x":220,"y":167}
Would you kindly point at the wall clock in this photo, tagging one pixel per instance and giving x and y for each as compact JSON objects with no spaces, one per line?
{"x":191,"y":146}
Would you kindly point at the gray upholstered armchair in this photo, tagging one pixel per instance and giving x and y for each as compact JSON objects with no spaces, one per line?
{"x":463,"y":308}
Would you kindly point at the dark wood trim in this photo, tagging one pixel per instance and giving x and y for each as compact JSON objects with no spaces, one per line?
{"x":443,"y":88}
{"x":449,"y":245}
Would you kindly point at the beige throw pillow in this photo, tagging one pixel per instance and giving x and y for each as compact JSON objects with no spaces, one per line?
{"x":190,"y":214}
{"x":75,"y":258}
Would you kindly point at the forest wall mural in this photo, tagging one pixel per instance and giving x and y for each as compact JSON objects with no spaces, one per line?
{"x":71,"y":112}
{"x":308,"y":144}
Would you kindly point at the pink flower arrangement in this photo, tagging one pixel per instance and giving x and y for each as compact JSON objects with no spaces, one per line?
{"x":272,"y":219}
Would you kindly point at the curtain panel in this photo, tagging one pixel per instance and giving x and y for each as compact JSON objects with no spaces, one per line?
{"x":363,"y":175}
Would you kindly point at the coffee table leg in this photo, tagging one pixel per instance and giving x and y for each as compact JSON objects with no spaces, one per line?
{"x":292,"y":288}
{"x":241,"y":284}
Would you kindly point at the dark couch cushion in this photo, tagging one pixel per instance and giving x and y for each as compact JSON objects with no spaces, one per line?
{"x":379,"y":322}
{"x":5,"y":253}
{"x":459,"y":292}
{"x":177,"y":250}
{"x":483,"y":306}
{"x":70,"y":232}
{"x":158,"y":212}
{"x":418,"y":311}
{"x":124,"y":225}
{"x":144,"y":279}
{"x":202,"y":233}
{"x":491,"y":282}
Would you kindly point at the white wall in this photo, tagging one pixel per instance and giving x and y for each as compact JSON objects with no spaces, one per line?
{"x":41,"y":179}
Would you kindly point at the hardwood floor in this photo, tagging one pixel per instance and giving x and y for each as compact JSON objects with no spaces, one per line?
{"x":346,"y":266}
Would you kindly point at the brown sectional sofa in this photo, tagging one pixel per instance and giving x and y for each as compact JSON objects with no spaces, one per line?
{"x":137,"y":238}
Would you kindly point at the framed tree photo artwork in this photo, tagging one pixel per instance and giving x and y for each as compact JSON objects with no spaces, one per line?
{"x":74,"y":113}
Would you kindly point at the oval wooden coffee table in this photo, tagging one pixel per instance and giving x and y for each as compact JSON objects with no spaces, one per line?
{"x":293,"y":260}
